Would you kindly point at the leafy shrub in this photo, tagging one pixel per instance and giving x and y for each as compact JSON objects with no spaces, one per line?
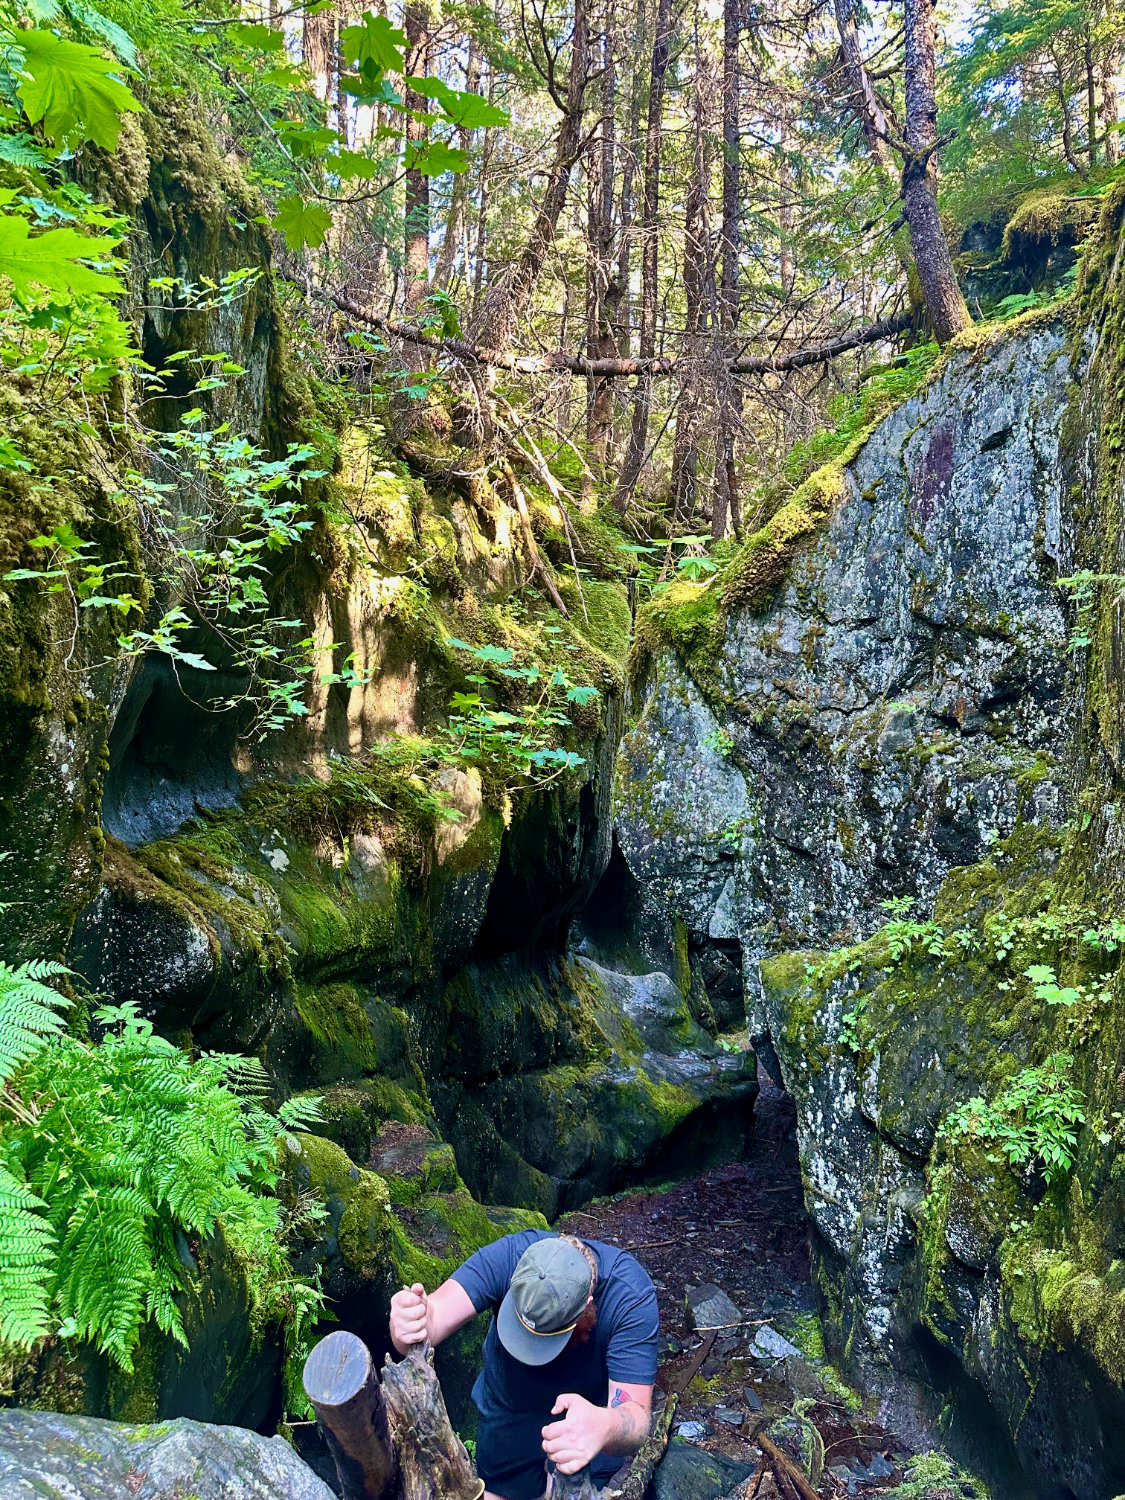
{"x":108,"y":1152}
{"x":1036,"y":1118}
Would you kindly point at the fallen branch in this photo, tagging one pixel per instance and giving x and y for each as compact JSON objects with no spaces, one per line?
{"x":392,"y":1438}
{"x":610,"y":369}
{"x":785,"y":1468}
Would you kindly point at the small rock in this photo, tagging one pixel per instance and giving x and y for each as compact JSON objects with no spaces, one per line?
{"x":690,"y":1473}
{"x":844,"y":1475}
{"x":710,"y":1307}
{"x":751,"y":1397}
{"x":803,"y":1378}
{"x":769,"y":1342}
{"x":691,"y":1432}
{"x":878,"y":1467}
{"x":727,"y":1415}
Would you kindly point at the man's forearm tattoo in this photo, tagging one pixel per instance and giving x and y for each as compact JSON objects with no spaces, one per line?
{"x":633,"y":1423}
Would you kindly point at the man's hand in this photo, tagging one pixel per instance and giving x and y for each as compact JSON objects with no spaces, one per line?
{"x":409,"y":1317}
{"x":579,"y":1437}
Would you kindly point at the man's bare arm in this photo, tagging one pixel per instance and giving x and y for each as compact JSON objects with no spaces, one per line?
{"x":417,"y":1318}
{"x":629,"y":1411}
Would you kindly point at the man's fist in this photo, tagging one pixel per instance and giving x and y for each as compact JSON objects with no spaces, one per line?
{"x":409,"y":1314}
{"x":578,"y":1438}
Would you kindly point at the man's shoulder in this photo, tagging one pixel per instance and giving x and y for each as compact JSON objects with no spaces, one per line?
{"x":622,"y":1269}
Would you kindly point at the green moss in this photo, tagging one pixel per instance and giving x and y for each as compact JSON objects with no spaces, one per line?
{"x":1045,"y":215}
{"x":600,"y":611}
{"x":685,"y":616}
{"x":934,"y":1474}
{"x":334,"y":1014}
{"x":753,"y":575}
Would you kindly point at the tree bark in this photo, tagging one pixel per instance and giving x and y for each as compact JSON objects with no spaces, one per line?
{"x":389,"y":1438}
{"x":869,"y":109}
{"x":319,"y":45}
{"x":628,"y":180}
{"x":642,"y":396}
{"x":1110,"y":104}
{"x":602,"y":295}
{"x":944,"y":302}
{"x":416,"y":261}
{"x":1091,"y":96}
{"x":541,"y":364}
{"x":459,"y":198}
{"x":696,"y":254}
{"x":481,"y":242}
{"x":507,"y":299}
{"x":726,"y":509}
{"x":343,"y":1388}
{"x":432,"y":1458}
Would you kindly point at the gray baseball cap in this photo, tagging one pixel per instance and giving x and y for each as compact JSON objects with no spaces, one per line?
{"x":549,"y":1289}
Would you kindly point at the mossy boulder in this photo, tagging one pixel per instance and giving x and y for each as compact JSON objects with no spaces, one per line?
{"x":566,"y":1080}
{"x":56,"y":1457}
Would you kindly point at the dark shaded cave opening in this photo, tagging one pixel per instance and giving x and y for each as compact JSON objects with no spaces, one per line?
{"x":169,"y":757}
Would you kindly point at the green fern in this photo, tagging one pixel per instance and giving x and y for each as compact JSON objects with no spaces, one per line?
{"x":109,"y":1154}
{"x":29,"y":1012}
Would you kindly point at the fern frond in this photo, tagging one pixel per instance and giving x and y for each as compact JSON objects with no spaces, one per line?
{"x":27,"y":1258}
{"x":29,"y":1012}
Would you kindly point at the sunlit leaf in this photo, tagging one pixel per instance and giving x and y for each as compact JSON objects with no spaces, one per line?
{"x":71,"y":88}
{"x":52,"y":260}
{"x":303,"y":224}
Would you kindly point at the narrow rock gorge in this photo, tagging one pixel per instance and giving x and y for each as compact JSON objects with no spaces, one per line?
{"x":578,"y":885}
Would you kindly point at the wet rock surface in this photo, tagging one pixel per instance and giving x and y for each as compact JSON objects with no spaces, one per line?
{"x":45,"y":1456}
{"x":897,"y":723}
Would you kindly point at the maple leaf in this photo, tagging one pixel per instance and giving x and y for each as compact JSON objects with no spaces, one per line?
{"x":52,"y":260}
{"x":302,"y":223}
{"x":71,"y":88}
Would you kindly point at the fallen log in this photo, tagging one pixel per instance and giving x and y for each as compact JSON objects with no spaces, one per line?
{"x":341,"y":1383}
{"x":786,"y":1469}
{"x":386,"y":1438}
{"x":432,"y":1459}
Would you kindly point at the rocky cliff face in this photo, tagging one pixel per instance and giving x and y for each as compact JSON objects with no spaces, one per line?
{"x":892,"y":712}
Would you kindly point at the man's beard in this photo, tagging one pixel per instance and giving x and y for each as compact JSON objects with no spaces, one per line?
{"x":585,"y":1326}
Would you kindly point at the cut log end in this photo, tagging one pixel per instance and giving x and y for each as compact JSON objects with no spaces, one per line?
{"x":337,"y":1370}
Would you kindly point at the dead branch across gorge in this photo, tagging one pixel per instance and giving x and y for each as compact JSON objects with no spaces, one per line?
{"x":608,"y":369}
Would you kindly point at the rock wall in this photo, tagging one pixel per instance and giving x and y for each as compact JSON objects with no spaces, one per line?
{"x":895,"y":711}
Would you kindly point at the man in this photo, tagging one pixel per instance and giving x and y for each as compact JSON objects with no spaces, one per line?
{"x":574,"y":1337}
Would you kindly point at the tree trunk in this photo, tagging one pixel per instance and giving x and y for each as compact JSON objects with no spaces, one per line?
{"x":507,"y":299}
{"x":389,"y":1438}
{"x":870,"y":111}
{"x":946,"y":306}
{"x":1110,"y":109}
{"x":696,"y":254}
{"x":642,"y":397}
{"x":319,"y":45}
{"x":481,"y":240}
{"x":1091,"y":96}
{"x":459,"y":198}
{"x":601,"y":300}
{"x":725,"y":507}
{"x":628,"y":180}
{"x":416,"y":261}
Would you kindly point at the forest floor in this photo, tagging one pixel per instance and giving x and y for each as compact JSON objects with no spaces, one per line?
{"x":741,"y":1229}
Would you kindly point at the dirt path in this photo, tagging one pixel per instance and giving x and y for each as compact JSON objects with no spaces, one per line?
{"x":742,"y":1228}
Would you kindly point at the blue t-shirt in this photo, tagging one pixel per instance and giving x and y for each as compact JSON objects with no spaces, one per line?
{"x":622,"y":1344}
